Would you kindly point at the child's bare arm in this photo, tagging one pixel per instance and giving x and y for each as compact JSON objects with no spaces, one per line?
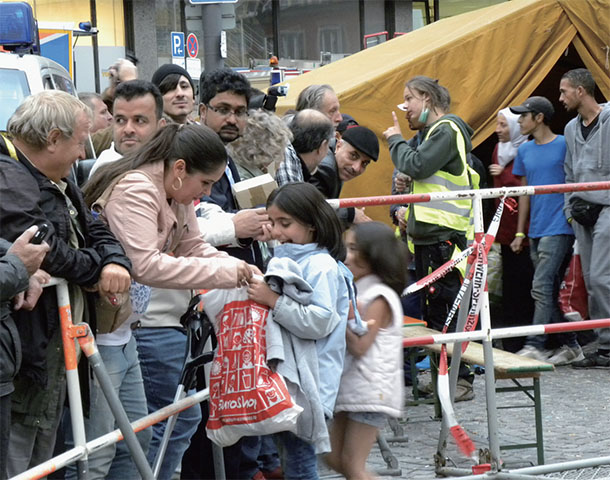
{"x":378,"y":315}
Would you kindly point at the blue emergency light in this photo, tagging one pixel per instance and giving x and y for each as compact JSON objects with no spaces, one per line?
{"x":18,"y":28}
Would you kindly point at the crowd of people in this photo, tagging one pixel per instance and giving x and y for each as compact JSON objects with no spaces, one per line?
{"x":157,"y":219}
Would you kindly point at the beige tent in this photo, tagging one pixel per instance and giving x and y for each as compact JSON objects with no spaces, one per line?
{"x":488,"y":59}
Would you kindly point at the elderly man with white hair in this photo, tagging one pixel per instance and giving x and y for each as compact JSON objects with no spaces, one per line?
{"x":46,"y":135}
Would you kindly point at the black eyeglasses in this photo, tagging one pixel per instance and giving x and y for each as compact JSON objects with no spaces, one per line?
{"x":226,"y":112}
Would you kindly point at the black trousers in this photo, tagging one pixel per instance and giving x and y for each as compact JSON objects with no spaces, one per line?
{"x":438,"y":298}
{"x":517,"y":301}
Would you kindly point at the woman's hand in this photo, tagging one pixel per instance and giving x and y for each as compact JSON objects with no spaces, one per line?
{"x":260,"y":292}
{"x":402,"y":182}
{"x":495,"y":169}
{"x":245,"y":272}
{"x":394,"y":129}
{"x":401,"y":218}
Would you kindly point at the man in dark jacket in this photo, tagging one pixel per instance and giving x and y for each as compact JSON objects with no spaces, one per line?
{"x":48,"y":133}
{"x":357,"y":148}
{"x":17,"y":263}
{"x":223,"y":107}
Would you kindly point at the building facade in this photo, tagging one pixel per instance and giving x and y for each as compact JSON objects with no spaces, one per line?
{"x":301,"y":33}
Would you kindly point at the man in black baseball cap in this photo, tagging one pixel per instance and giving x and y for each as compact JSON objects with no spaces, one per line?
{"x":541,"y":162}
{"x":536,"y":105}
{"x":356,"y":149}
{"x":176,"y":86}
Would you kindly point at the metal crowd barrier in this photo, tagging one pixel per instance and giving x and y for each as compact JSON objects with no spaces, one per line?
{"x":486,"y":334}
{"x":81,"y":333}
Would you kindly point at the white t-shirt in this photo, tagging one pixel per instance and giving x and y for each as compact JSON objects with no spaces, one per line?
{"x":107,"y":156}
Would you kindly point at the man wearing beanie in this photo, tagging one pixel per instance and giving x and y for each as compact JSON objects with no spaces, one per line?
{"x":356,"y":149}
{"x":176,"y":86}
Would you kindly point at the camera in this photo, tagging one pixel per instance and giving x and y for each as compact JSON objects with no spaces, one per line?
{"x":268,"y":100}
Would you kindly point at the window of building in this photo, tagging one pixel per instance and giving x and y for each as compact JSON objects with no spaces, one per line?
{"x":292,"y":45}
{"x":331,"y":39}
{"x":250,"y":43}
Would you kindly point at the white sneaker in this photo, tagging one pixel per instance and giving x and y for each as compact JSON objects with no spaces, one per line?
{"x":565,"y":355}
{"x":533,"y":352}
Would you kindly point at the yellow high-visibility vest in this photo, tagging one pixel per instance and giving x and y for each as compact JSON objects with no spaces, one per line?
{"x":454,"y":214}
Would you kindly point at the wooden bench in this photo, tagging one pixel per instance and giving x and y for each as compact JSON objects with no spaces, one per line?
{"x":507,"y":366}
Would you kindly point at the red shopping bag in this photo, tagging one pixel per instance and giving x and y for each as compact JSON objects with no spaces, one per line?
{"x":246,"y":396}
{"x":573,"y":293}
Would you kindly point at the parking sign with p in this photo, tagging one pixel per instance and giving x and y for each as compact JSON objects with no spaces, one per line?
{"x":177,"y":44}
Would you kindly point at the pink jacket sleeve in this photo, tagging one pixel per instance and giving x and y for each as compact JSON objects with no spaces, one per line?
{"x":139,"y":216}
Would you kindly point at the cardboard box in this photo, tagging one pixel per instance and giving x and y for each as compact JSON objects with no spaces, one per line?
{"x":254,"y":191}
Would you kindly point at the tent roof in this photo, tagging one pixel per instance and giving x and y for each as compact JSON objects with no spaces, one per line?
{"x":488,"y":59}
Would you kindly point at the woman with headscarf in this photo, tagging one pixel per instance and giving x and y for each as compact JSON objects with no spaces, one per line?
{"x":517,"y":268}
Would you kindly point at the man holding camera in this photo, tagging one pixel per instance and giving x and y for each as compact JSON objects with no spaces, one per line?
{"x":48,"y":132}
{"x":588,"y":160}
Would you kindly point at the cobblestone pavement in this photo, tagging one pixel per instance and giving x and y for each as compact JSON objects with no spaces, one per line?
{"x":576,"y":426}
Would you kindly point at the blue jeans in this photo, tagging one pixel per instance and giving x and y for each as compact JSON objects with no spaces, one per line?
{"x":550,"y":256}
{"x":299,"y":459}
{"x":114,"y":461}
{"x":162,"y":353}
{"x":268,"y":458}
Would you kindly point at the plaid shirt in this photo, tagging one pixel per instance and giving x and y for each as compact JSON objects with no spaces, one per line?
{"x":292,"y":169}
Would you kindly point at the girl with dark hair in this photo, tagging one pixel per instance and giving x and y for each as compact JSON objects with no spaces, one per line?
{"x":371,"y":387}
{"x":308,"y":327}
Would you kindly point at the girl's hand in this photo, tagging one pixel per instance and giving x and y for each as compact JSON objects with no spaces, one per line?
{"x":378,"y":315}
{"x":260,"y":292}
{"x":267,"y":233}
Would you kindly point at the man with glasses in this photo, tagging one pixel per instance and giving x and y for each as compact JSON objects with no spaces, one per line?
{"x":223,"y":107}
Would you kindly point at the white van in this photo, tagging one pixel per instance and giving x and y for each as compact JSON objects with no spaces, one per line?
{"x":22,"y":75}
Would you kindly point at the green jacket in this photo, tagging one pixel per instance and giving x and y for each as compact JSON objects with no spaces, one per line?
{"x":438,"y":152}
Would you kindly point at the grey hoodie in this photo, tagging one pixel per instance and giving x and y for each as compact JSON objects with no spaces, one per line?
{"x":588,"y":161}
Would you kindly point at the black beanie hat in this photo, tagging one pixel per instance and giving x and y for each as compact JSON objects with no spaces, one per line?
{"x":167,"y":69}
{"x":364,"y":140}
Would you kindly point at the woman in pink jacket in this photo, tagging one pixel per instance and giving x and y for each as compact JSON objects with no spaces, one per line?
{"x":150,"y":209}
{"x":147,"y":200}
